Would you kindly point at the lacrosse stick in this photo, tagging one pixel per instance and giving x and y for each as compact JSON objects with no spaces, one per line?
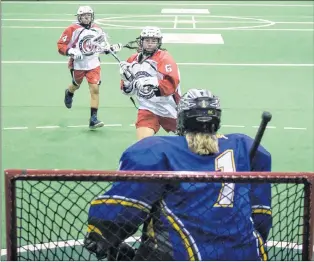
{"x":103,"y":46}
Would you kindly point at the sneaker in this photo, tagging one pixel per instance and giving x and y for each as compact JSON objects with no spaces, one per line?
{"x":95,"y":123}
{"x":68,"y":99}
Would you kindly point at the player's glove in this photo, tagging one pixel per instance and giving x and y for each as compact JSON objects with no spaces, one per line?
{"x":128,"y":89}
{"x":147,"y":87}
{"x":125,"y":71}
{"x":75,"y":54}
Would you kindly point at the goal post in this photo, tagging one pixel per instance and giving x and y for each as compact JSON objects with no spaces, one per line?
{"x":46,"y":210}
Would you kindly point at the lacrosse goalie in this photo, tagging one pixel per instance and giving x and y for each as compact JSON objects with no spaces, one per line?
{"x":78,"y":42}
{"x":152,"y":75}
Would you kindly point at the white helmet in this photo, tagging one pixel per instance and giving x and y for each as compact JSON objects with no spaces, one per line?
{"x":151,"y":31}
{"x":85,"y":10}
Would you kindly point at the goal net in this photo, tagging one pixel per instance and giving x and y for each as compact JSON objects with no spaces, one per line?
{"x":46,"y":210}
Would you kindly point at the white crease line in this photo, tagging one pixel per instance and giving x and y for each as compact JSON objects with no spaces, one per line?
{"x":15,"y":128}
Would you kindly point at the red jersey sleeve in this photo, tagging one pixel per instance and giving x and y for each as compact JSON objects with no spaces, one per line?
{"x":64,"y":40}
{"x":169,"y":68}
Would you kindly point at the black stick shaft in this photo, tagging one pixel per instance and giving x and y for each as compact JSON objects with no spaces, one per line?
{"x":266,"y":117}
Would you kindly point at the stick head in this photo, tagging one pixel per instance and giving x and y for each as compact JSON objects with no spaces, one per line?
{"x":266,"y":116}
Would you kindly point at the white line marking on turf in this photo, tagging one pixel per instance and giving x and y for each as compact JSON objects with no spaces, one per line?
{"x":79,"y":242}
{"x":154,"y":3}
{"x":294,"y":128}
{"x":107,"y":125}
{"x":175,"y":22}
{"x":15,"y":128}
{"x":269,"y":127}
{"x":125,"y":19}
{"x":78,"y":126}
{"x":295,"y":23}
{"x":231,"y":126}
{"x":194,"y":22}
{"x":38,"y":20}
{"x":132,"y":125}
{"x":183,"y":38}
{"x":113,"y":125}
{"x":183,"y":64}
{"x":119,"y":27}
{"x":184,"y":11}
{"x":47,"y":127}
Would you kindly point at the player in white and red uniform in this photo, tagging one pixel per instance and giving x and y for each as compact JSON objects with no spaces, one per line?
{"x":84,"y":60}
{"x":156,"y":84}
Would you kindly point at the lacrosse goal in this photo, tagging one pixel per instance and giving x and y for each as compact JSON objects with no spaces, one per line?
{"x":46,"y":210}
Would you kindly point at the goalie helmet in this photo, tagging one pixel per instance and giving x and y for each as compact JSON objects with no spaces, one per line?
{"x":198,"y":111}
{"x":82,"y":10}
{"x":150,"y":32}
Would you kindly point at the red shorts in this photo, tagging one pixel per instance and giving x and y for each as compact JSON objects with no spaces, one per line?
{"x":92,"y":76}
{"x":146,"y":118}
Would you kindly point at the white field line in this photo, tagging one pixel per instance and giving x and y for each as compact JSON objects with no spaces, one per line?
{"x":120,"y":125}
{"x":119,"y":27}
{"x":79,"y":242}
{"x":182,"y":64}
{"x":155,"y":3}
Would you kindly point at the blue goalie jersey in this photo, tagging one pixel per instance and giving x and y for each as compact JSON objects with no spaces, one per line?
{"x":189,"y":221}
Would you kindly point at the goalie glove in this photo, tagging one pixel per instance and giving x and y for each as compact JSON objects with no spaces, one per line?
{"x":95,"y":243}
{"x":75,"y":54}
{"x":124,"y":252}
{"x":146,"y":87}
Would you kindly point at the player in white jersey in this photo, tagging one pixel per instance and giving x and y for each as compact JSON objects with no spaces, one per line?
{"x":76,"y":42}
{"x":156,"y":84}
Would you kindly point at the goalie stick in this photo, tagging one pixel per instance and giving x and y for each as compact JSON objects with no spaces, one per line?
{"x":266,"y":117}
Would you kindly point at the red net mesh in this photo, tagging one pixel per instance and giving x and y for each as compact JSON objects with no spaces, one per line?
{"x":47,"y":210}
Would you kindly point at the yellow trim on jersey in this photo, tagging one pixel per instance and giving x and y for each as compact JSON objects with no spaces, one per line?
{"x":126,"y":203}
{"x":92,"y":228}
{"x":151,"y":233}
{"x":261,"y":211}
{"x":217,"y":168}
{"x":221,"y":136}
{"x":261,"y":247}
{"x":185,"y":240}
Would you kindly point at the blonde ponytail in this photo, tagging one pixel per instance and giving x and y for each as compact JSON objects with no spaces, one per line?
{"x":202,"y":143}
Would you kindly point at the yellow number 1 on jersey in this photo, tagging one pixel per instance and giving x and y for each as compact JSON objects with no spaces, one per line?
{"x":225,"y":163}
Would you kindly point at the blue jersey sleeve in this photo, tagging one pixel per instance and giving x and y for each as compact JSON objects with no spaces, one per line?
{"x":128,"y":204}
{"x":261,"y":192}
